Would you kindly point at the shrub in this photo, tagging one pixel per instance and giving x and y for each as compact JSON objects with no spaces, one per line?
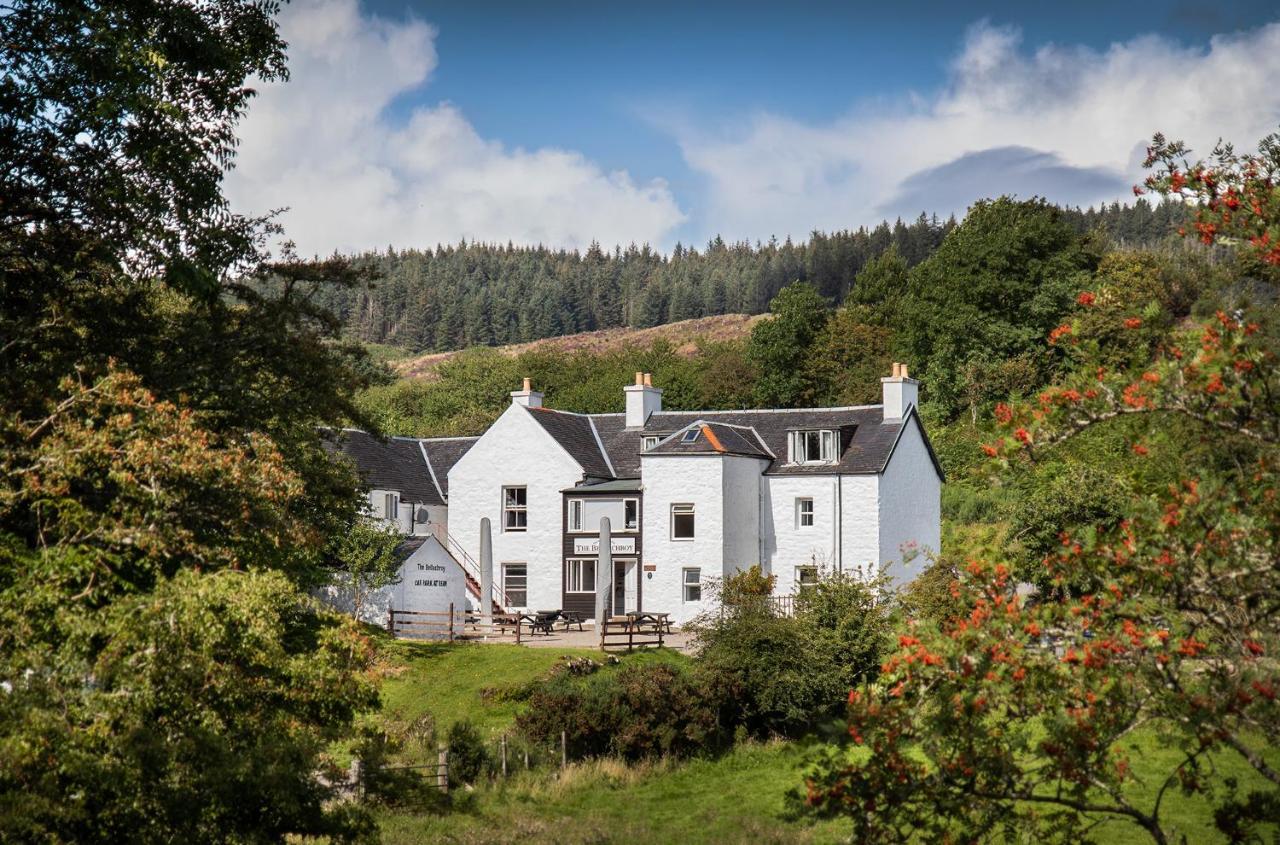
{"x":846,"y":618}
{"x":767,"y":672}
{"x":468,"y":757}
{"x":782,"y":676}
{"x":634,"y":712}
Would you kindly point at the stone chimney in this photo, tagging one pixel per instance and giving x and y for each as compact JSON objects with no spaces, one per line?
{"x":527,"y":396}
{"x":643,"y":399}
{"x":900,"y":393}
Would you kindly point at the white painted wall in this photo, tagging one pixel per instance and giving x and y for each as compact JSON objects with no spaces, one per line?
{"x":429,"y":581}
{"x":669,"y":479}
{"x":740,"y":483}
{"x":515,"y":451}
{"x":860,"y":529}
{"x":785,"y":543}
{"x":910,"y":507}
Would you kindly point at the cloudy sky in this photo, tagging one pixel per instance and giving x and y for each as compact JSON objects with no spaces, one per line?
{"x":415,"y":123}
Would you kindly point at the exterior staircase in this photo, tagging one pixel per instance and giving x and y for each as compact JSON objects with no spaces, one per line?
{"x":471,"y":574}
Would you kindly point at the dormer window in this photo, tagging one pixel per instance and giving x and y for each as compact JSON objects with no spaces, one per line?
{"x":690,"y":435}
{"x":813,"y":447}
{"x":648,"y":441}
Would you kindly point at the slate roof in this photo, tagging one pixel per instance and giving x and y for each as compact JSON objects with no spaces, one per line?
{"x":866,"y":439}
{"x":578,"y":435}
{"x":442,"y":454}
{"x":397,"y":463}
{"x":713,"y":438}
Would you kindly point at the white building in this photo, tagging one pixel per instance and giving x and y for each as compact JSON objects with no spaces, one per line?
{"x":691,"y":496}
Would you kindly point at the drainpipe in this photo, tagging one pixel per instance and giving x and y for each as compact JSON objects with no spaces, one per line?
{"x":486,"y":574}
{"x":839,"y":524}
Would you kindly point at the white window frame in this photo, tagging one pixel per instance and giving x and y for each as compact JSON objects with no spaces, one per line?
{"x":801,"y":582}
{"x":391,"y":507}
{"x":804,"y":511}
{"x":687,"y":584}
{"x":690,"y":436}
{"x":576,"y":510}
{"x":683,"y":508}
{"x":648,"y":441}
{"x":635,"y":503}
{"x":826,"y":440}
{"x":574,"y":575}
{"x":524,"y":588}
{"x":513,"y":509}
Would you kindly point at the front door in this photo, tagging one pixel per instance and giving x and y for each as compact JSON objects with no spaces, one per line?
{"x":622,"y":595}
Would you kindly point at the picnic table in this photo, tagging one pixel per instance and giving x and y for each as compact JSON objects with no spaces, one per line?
{"x":572,"y":617}
{"x":640,"y":618}
{"x":542,"y":621}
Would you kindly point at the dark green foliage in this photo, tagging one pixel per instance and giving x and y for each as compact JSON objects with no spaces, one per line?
{"x":847,"y":617}
{"x":468,"y":757}
{"x":164,"y":496}
{"x":991,"y":293}
{"x":779,"y":346}
{"x":771,"y":677}
{"x":780,"y":675}
{"x":1068,"y":499}
{"x":637,"y":711}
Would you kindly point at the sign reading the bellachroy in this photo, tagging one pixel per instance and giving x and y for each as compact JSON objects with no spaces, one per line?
{"x":591,"y":545}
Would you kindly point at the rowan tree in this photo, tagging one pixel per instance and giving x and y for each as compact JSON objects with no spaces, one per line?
{"x":1013,"y":718}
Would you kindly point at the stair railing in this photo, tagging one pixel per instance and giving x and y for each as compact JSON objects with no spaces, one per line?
{"x":472,"y":568}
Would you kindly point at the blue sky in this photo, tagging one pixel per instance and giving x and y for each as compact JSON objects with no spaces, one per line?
{"x":409,"y":123}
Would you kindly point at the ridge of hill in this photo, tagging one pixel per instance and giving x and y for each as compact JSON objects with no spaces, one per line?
{"x":683,"y":336}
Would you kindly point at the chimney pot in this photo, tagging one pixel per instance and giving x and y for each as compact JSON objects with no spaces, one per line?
{"x":643,"y":400}
{"x":901,"y":392}
{"x":527,"y":396}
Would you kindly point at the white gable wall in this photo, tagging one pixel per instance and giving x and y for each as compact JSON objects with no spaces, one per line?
{"x":515,"y":451}
{"x":910,"y":507}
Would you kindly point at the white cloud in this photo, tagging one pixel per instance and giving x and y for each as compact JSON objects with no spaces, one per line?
{"x":323,"y":145}
{"x":1074,"y":120}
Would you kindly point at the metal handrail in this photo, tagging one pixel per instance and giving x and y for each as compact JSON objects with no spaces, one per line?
{"x":472,"y":568}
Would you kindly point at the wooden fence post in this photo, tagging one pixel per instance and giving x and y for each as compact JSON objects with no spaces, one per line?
{"x":504,"y":756}
{"x":356,"y":776}
{"x":526,"y":759}
{"x":564,"y":749}
{"x":391,"y":620}
{"x":442,"y":770}
{"x":450,"y":621}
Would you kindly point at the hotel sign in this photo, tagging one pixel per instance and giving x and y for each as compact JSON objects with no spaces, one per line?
{"x":591,"y":545}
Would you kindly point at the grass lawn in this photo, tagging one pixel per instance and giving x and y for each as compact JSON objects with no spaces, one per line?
{"x":739,"y":797}
{"x":452,"y":682}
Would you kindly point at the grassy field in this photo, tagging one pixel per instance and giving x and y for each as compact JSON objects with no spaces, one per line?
{"x":738,"y":797}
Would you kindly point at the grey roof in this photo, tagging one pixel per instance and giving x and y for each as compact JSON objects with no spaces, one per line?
{"x":617,"y":485}
{"x":408,"y":546}
{"x":442,"y":454}
{"x":866,"y":441}
{"x":713,"y":438}
{"x":398,"y":463}
{"x":578,"y":435}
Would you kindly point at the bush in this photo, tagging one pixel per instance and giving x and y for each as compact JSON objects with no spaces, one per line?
{"x":846,"y":618}
{"x":634,"y":712}
{"x":468,"y":757}
{"x":782,"y":676}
